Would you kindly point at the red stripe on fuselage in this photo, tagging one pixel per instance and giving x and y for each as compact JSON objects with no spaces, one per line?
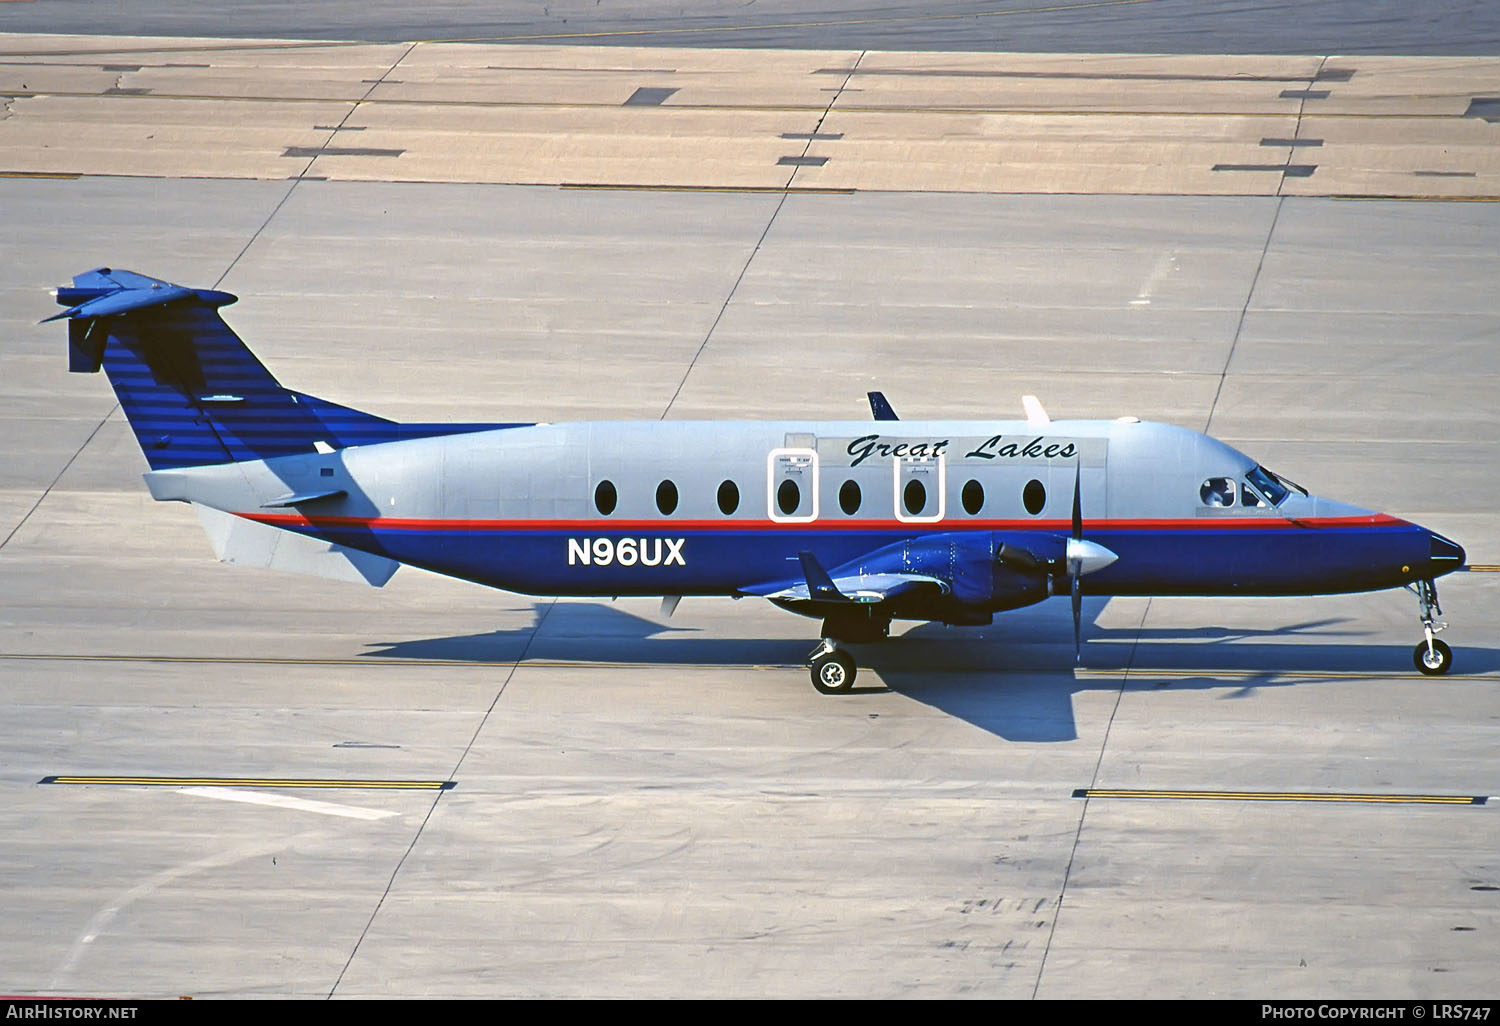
{"x":730,"y":525}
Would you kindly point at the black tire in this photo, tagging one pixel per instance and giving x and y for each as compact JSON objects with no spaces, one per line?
{"x":833,"y":673}
{"x":1439,"y":662}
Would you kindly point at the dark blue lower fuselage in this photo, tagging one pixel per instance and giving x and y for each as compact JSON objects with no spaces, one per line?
{"x":1264,"y":557}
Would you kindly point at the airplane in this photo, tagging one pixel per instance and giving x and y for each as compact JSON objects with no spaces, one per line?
{"x":854,"y":523}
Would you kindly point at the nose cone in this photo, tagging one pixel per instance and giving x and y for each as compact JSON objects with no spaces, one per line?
{"x":1444,"y":556}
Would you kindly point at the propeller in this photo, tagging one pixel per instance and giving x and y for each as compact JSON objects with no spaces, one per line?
{"x":1079,"y":556}
{"x":1083,"y":557}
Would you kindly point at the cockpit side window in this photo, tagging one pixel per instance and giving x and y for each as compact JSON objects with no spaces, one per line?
{"x":1217,"y":491}
{"x":1250,"y":497}
{"x":1268,"y":484}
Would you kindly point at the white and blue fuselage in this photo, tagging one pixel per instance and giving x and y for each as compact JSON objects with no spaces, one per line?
{"x":724,"y":508}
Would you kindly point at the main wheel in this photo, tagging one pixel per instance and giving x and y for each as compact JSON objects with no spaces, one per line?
{"x":833,"y":673}
{"x":1438,"y":661}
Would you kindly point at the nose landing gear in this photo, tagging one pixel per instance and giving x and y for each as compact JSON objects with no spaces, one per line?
{"x":1432,"y":657}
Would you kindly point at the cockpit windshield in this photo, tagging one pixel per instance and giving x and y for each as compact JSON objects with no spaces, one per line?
{"x":1293,"y":485}
{"x":1274,"y":488}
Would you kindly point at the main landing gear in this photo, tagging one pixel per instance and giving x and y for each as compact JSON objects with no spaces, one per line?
{"x":1432,"y":657}
{"x":833,"y":669}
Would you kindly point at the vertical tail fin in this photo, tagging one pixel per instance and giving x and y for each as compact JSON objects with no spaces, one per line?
{"x":192,"y":390}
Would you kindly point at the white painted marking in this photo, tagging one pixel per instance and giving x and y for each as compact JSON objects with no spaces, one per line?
{"x":285,"y":801}
{"x":1166,"y":262}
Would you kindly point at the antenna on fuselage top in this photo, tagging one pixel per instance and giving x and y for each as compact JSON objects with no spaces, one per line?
{"x":880,"y":409}
{"x":1035,"y":415}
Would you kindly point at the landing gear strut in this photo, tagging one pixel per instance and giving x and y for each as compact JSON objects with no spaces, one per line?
{"x":1432,"y":657}
{"x":833,"y":669}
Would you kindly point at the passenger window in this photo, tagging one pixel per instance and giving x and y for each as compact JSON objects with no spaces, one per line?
{"x":972,"y":497}
{"x":1034,"y":497}
{"x":729,"y":498}
{"x":849,"y":498}
{"x":792,"y":484}
{"x":914,"y":497}
{"x":666,"y":498}
{"x":1217,"y":491}
{"x":605,"y":498}
{"x":788,"y":497}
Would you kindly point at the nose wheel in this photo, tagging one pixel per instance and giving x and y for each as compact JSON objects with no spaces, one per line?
{"x":833,"y":669}
{"x":1432,"y":656}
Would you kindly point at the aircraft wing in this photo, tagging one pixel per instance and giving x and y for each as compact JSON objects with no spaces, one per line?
{"x":958,"y":578}
{"x":866,"y":588}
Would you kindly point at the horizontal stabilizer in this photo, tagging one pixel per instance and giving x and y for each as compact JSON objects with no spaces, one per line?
{"x":107,"y":302}
{"x":242,"y":542}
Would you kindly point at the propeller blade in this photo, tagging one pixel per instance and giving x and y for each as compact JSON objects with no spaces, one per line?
{"x":1077,"y":620}
{"x":1075,"y":565}
{"x":1077,"y":502}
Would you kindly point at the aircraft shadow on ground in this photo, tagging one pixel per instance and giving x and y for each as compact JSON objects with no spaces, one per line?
{"x":1017,"y":683}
